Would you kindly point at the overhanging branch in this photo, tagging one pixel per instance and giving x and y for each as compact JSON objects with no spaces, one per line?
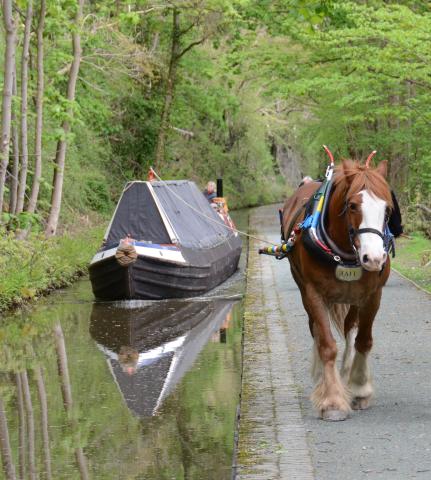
{"x":190,"y":46}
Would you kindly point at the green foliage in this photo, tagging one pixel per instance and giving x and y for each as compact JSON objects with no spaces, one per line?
{"x":362,"y":83}
{"x":413,"y":259}
{"x":349,"y":74}
{"x":28,"y":268}
{"x":115,"y":118}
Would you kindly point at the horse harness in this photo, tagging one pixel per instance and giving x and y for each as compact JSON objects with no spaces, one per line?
{"x":317,"y":241}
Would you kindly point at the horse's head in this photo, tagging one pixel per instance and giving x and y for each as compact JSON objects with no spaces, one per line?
{"x":367,"y":203}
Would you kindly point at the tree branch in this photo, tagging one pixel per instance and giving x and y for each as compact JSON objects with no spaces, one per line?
{"x":190,"y":46}
{"x":397,"y":77}
{"x":425,"y":209}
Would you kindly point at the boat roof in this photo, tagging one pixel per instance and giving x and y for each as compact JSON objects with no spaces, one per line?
{"x":175,"y":211}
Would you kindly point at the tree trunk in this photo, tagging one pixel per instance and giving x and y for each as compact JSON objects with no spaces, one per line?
{"x":15,"y":147}
{"x":22,"y":427}
{"x":39,"y":112}
{"x":170,"y":89}
{"x":44,"y":421}
{"x":66,"y":390}
{"x":30,"y":425}
{"x":6,"y":452}
{"x":155,"y":43}
{"x":396,"y":155}
{"x":24,"y":105}
{"x":9,"y":62}
{"x":60,"y":157}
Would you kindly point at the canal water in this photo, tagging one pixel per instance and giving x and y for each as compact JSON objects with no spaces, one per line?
{"x":130,"y":390}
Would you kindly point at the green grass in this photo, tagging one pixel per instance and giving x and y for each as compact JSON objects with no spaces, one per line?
{"x":32,"y":267}
{"x":413,"y":259}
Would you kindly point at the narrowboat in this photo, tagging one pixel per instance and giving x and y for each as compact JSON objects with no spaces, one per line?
{"x":165,"y":240}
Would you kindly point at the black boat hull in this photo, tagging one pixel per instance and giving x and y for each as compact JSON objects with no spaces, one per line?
{"x":155,"y":279}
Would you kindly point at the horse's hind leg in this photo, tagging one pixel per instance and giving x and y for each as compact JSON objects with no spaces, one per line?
{"x":360,"y":381}
{"x":329,"y":397}
{"x":350,"y":332}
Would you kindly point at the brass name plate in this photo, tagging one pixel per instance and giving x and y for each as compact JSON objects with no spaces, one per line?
{"x":348,"y":274}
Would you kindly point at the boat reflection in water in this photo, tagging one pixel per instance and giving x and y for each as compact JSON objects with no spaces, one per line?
{"x":149,"y":348}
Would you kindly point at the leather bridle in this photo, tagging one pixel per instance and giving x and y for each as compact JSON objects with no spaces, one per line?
{"x":353,"y":232}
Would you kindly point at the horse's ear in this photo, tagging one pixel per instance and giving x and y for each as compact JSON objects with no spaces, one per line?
{"x":382,"y":168}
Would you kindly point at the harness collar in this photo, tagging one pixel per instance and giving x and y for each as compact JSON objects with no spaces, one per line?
{"x":317,"y":240}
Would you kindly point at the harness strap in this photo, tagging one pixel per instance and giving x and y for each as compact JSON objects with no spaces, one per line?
{"x":295,"y":217}
{"x":386,"y":236}
{"x":353,"y":232}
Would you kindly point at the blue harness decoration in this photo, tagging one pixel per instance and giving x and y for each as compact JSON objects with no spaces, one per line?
{"x":317,"y":241}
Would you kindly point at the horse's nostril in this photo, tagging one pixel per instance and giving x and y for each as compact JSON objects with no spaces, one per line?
{"x":365,"y":258}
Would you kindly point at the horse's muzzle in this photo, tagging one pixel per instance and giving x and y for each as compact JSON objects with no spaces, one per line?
{"x":373,"y":263}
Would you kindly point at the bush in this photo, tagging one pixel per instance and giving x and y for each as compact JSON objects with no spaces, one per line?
{"x":34,"y":266}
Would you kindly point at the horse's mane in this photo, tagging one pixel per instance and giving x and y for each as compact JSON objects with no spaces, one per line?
{"x":352,"y":178}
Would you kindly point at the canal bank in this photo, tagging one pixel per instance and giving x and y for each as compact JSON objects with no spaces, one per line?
{"x":32,"y":268}
{"x":280,"y":436}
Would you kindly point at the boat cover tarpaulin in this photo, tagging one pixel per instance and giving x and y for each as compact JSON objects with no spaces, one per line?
{"x":138,"y":215}
{"x":192,"y":229}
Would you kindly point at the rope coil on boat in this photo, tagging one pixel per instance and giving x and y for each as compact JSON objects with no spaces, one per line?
{"x":126,"y":254}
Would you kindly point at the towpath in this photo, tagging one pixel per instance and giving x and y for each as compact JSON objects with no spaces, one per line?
{"x":280,"y":436}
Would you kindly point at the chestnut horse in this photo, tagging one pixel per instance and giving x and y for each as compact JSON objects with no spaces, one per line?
{"x":355,"y":221}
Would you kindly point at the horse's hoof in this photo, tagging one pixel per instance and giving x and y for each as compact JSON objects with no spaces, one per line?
{"x":360,"y":403}
{"x":334,"y":415}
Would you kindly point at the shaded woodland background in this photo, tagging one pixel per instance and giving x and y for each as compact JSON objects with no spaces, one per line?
{"x":94,"y":92}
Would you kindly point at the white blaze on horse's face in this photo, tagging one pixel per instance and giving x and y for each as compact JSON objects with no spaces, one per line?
{"x":371,"y":250}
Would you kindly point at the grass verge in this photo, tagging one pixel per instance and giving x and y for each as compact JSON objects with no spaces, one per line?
{"x":413,"y":259}
{"x":35,"y":266}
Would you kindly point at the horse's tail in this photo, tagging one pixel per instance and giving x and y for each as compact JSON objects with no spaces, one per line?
{"x":337,"y":315}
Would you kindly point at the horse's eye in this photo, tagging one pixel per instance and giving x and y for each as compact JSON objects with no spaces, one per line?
{"x":353,"y":207}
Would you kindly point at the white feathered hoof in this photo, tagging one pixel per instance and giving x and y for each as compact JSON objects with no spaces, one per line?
{"x":334,"y":415}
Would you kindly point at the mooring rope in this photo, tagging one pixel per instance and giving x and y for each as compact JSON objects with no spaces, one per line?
{"x":233,"y":229}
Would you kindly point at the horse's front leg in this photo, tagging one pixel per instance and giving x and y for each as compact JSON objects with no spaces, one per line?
{"x":360,"y":381}
{"x":350,"y":332}
{"x":329,"y":397}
